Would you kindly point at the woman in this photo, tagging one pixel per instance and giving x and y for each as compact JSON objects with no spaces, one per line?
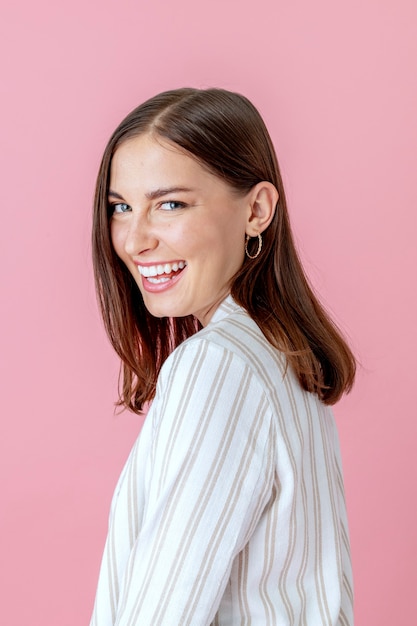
{"x":230,"y":509}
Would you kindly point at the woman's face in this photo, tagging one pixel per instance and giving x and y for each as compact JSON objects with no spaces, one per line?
{"x":179,"y":229}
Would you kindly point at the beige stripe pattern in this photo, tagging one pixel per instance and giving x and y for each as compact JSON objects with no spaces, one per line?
{"x":230,"y":510}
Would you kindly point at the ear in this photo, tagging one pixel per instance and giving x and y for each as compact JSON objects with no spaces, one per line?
{"x":263,"y":199}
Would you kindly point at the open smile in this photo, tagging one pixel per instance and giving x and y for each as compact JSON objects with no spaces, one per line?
{"x":160,"y":274}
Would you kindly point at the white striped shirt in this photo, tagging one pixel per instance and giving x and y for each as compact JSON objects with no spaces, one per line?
{"x":230,"y":509}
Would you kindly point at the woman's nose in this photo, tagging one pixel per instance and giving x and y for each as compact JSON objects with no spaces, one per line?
{"x":139,"y":236}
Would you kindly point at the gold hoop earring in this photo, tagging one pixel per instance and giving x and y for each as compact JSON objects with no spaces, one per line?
{"x":257,"y":253}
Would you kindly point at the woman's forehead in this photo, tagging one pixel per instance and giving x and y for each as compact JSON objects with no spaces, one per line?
{"x":148,"y":162}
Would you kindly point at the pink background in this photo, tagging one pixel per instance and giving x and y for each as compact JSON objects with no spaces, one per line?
{"x":337,"y":85}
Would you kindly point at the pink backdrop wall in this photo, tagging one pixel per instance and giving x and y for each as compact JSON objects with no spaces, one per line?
{"x":337,"y":85}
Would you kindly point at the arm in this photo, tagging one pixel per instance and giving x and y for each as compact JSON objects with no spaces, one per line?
{"x":207,"y":482}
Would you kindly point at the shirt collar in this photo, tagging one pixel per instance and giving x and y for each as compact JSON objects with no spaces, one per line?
{"x":224,"y":309}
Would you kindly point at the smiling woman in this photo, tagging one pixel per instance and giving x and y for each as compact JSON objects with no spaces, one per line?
{"x":230,"y":509}
{"x":176,"y":213}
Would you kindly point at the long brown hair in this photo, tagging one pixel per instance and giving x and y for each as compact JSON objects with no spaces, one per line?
{"x":225,"y":133}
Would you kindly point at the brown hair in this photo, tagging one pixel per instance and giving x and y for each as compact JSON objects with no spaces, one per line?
{"x":225,"y":133}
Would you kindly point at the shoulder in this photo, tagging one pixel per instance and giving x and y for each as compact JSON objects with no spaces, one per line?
{"x":230,"y":347}
{"x":207,"y":381}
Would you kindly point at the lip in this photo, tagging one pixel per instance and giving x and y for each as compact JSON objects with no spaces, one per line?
{"x":159,"y":287}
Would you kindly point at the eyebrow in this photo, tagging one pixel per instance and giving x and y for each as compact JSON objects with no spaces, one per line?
{"x":157,"y":193}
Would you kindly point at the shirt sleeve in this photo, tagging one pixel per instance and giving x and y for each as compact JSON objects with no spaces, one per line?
{"x":208,"y":478}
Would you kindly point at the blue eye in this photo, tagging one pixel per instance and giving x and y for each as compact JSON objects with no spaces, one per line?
{"x":172,"y":205}
{"x":120,"y":207}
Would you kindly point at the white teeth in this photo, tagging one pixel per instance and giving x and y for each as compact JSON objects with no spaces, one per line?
{"x":157,"y":281}
{"x":158,"y":270}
